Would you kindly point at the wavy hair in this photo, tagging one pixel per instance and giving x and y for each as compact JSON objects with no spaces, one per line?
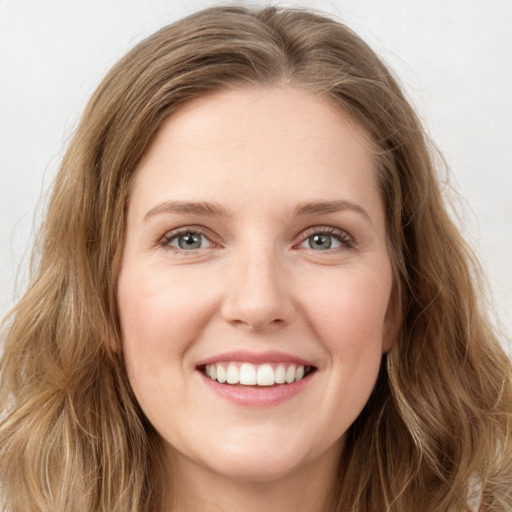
{"x":436,"y":433}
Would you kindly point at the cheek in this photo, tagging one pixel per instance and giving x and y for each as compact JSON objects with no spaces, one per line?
{"x":156,"y":329}
{"x":158,"y":313}
{"x":348,"y":312}
{"x":160,"y":319}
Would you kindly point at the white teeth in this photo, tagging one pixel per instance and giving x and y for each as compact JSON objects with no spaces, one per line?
{"x":248,"y":374}
{"x":232,"y":375}
{"x":280,"y":376}
{"x":265,"y":375}
{"x":290,"y":374}
{"x":221,"y":374}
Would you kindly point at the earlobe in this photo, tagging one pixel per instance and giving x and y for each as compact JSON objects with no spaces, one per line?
{"x":392,"y":321}
{"x":387,"y":341}
{"x":116,"y":346}
{"x":114,"y":343}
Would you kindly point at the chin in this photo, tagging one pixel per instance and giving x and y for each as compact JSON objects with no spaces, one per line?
{"x":264,"y":457}
{"x":256,"y":468}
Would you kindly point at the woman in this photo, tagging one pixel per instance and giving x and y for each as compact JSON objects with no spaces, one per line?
{"x":250,"y":294}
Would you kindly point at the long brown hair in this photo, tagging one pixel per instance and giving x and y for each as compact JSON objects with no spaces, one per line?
{"x":436,"y":432}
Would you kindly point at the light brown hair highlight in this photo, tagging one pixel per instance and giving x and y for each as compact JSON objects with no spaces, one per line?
{"x":73,"y":438}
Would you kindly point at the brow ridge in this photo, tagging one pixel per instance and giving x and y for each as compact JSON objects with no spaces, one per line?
{"x":203,"y":208}
{"x":326,"y":207}
{"x":212,"y":209}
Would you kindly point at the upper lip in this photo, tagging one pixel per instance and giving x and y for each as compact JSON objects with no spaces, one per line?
{"x":255,"y":358}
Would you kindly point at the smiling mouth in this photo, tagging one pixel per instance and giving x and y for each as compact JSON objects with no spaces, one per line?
{"x":248,"y":374}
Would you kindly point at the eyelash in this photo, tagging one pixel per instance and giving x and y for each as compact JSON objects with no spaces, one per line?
{"x":166,"y":240}
{"x":341,"y":236}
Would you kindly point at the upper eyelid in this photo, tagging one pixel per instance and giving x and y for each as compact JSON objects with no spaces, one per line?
{"x":188,"y":228}
{"x":330,"y":230}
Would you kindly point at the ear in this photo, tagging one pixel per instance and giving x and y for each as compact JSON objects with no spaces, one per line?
{"x":392,"y":320}
{"x":115,"y":345}
{"x":114,"y":339}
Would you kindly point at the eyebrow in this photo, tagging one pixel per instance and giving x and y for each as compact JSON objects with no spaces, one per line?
{"x":209,"y":209}
{"x":326,"y":207}
{"x":203,"y":208}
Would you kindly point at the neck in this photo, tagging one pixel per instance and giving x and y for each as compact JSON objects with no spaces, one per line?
{"x":311,"y":488}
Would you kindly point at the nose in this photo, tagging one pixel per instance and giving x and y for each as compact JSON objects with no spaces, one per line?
{"x":259,"y":294}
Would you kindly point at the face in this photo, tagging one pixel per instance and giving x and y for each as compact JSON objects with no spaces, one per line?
{"x":255,"y":282}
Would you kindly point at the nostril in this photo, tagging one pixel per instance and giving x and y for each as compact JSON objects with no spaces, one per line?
{"x":257,"y":323}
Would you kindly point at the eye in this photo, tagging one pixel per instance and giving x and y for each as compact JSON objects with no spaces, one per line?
{"x":186,"y":240}
{"x":326,"y":239}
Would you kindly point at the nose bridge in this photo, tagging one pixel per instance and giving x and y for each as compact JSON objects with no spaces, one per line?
{"x":259,"y":292}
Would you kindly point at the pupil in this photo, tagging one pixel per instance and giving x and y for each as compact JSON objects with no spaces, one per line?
{"x":320,"y":242}
{"x":190,"y":241}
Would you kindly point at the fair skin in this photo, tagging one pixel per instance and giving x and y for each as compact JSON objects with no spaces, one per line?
{"x":287,"y":265}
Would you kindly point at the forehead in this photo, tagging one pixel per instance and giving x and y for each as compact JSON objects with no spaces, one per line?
{"x":234,"y":144}
{"x":265,"y":114}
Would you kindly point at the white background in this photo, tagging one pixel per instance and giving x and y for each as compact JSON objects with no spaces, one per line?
{"x":454,"y":57}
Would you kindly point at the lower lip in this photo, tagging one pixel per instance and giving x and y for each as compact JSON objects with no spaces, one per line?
{"x":257,"y":396}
